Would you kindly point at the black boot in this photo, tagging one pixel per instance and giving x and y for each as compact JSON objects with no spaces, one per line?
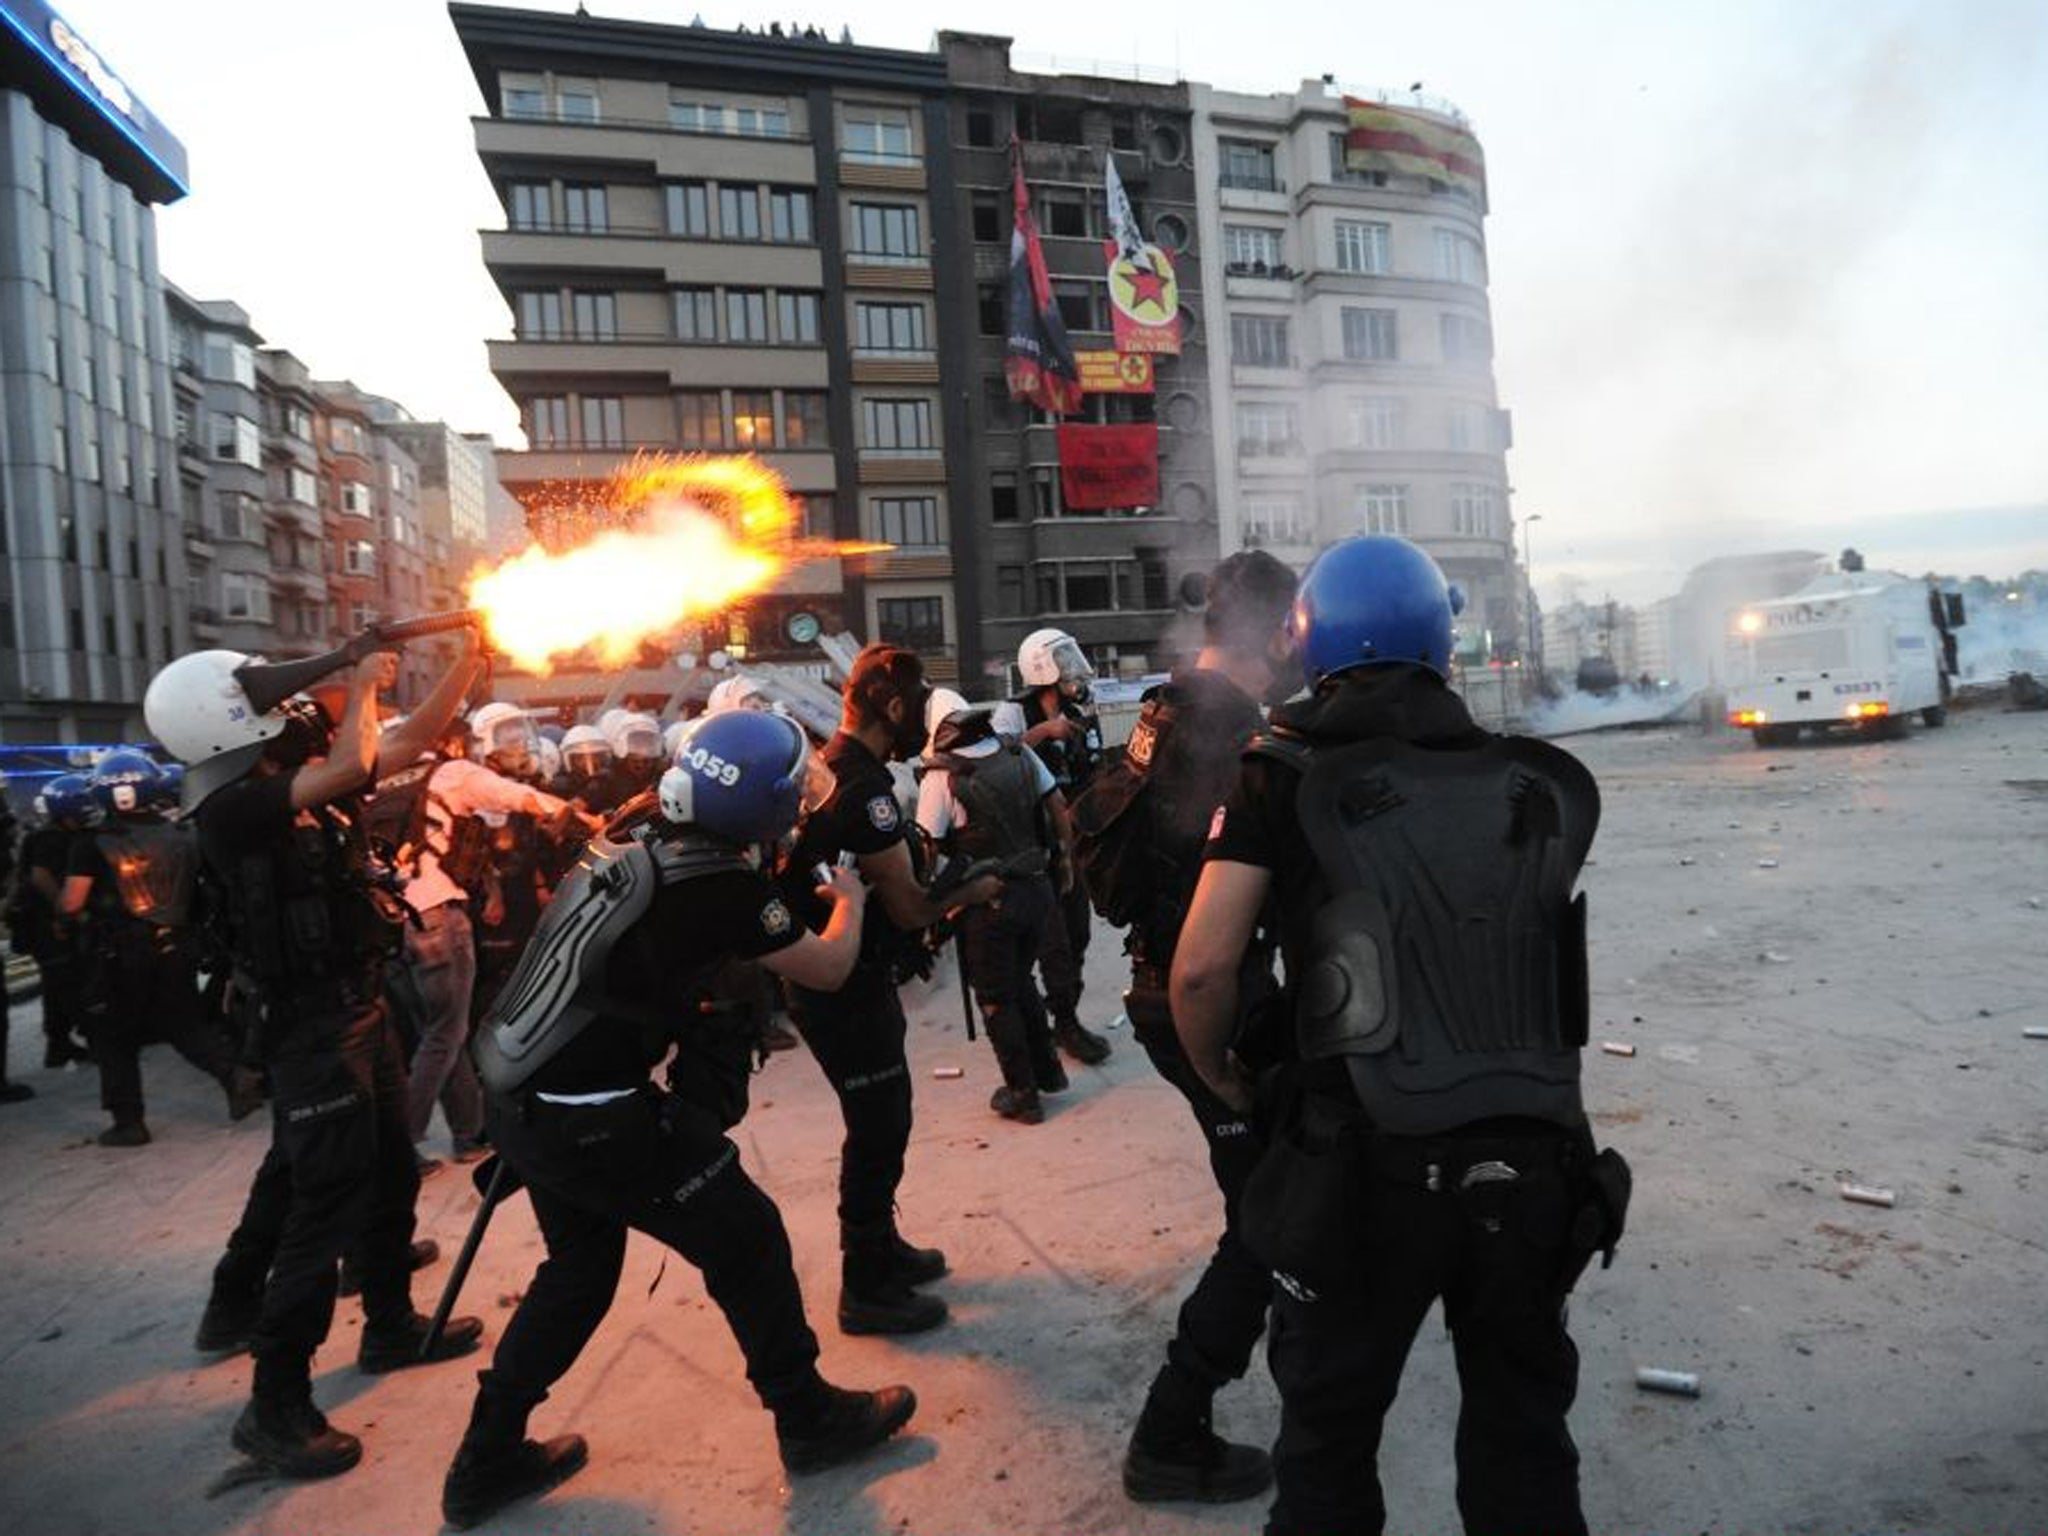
{"x":913,"y":1265}
{"x":1175,"y":1454}
{"x":125,"y":1133}
{"x":845,"y":1425}
{"x":1080,"y":1042}
{"x":1019,"y":1104}
{"x":291,"y":1438}
{"x":396,"y":1350}
{"x":246,"y":1091}
{"x":424,"y":1251}
{"x":15,"y":1093}
{"x":873,"y":1297}
{"x":485,"y":1479}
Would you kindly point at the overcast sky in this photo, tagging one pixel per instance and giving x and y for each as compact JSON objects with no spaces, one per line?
{"x":1763,"y":273}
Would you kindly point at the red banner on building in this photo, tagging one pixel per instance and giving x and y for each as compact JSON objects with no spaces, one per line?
{"x":1115,"y":373}
{"x":1413,"y":143}
{"x":1144,"y":300}
{"x":1106,"y":467}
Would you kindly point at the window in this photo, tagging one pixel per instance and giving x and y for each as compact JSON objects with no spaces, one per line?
{"x":918,"y":623}
{"x":1470,"y":428}
{"x":1369,"y":335}
{"x":1009,"y":591}
{"x":896,"y":426}
{"x":547,"y":421}
{"x":1259,"y":341}
{"x":530,"y":205}
{"x":804,"y":420}
{"x":1049,"y":122}
{"x":988,"y":218}
{"x":1473,"y":507}
{"x":355,"y":498}
{"x":998,"y":408}
{"x":596,"y":316}
{"x":583,"y":208}
{"x":242,"y":597}
{"x":692,"y":115}
{"x":359,"y":557}
{"x":746,"y":314}
{"x":889,"y":327}
{"x":796,"y":319}
{"x":1089,"y":588}
{"x":1249,"y":166}
{"x":236,"y":515}
{"x":346,"y":435}
{"x":739,"y":213}
{"x":992,"y":310}
{"x":907,"y":520}
{"x":527,"y":99}
{"x":689,"y":209}
{"x":700,"y":419}
{"x":604,"y":421}
{"x":576,"y":101}
{"x":1002,"y":497}
{"x":236,"y":439}
{"x":1076,"y":302}
{"x":298,"y":422}
{"x":229,"y":361}
{"x":877,"y":135}
{"x":1277,"y":522}
{"x":789,"y":216}
{"x":1339,"y":172}
{"x":1459,"y":258}
{"x":886,"y":232}
{"x":696,"y":314}
{"x":981,"y":128}
{"x":300,"y":486}
{"x":1361,"y":247}
{"x":1383,"y":508}
{"x":1375,"y":421}
{"x":1466,"y":339}
{"x":753,"y":419}
{"x":1064,"y":215}
{"x":540,"y":317}
{"x":360,"y":616}
{"x":1249,"y":245}
{"x":1267,"y":429}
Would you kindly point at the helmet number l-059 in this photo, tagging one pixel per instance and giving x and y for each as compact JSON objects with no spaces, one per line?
{"x":712,"y":766}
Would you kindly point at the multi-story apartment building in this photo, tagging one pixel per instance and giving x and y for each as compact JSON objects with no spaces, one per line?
{"x":1353,"y":350}
{"x":723,"y":242}
{"x":92,"y":488}
{"x":296,"y":531}
{"x":1112,"y":578}
{"x":453,"y":472}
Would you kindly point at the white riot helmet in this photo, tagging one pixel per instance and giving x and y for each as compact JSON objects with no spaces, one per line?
{"x":550,"y":761}
{"x":609,"y":721}
{"x":671,"y":737}
{"x":634,"y":735}
{"x":585,"y":752}
{"x":944,"y":702}
{"x":505,"y":732}
{"x":199,"y":712}
{"x":1051,"y":658}
{"x":738,"y":692}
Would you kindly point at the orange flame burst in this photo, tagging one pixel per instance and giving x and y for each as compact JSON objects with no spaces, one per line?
{"x":683,"y":536}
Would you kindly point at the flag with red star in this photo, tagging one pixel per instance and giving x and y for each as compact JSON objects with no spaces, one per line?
{"x":1040,"y":367}
{"x":1144,"y":296}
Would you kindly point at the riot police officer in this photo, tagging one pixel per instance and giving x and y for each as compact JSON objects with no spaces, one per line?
{"x":66,"y":807}
{"x":1427,"y":1137}
{"x":586,"y":755}
{"x":616,"y":975}
{"x":129,"y":888}
{"x":275,"y":795}
{"x":11,"y":1092}
{"x":984,"y":796}
{"x":1053,"y":716}
{"x":857,"y":1032}
{"x":1142,"y":824}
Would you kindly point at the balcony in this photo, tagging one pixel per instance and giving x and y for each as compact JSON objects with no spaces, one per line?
{"x":205,"y":622}
{"x":672,"y":152}
{"x":1253,"y":191}
{"x":1256,"y":280}
{"x":862,"y":168}
{"x":806,"y":473}
{"x":737,"y":365}
{"x":199,"y":544}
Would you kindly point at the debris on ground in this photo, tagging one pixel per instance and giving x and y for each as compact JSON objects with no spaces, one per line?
{"x":1772,"y":957}
{"x":2035,"y":1032}
{"x":1617,"y":1048}
{"x":948,"y":1073}
{"x":1675,"y":1383}
{"x":1766,"y":863}
{"x":1869,"y":1194}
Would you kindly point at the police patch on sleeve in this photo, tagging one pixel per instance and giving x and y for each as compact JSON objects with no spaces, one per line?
{"x":884,"y":813}
{"x":1216,"y":823}
{"x":775,"y":919}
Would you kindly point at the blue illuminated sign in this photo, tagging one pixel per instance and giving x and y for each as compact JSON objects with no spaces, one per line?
{"x":93,"y":81}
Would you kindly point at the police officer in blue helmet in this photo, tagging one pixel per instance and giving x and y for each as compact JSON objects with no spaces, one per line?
{"x":1426,"y":1137}
{"x":623,"y":966}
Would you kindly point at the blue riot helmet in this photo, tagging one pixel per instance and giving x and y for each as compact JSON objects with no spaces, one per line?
{"x":68,"y":799}
{"x":737,"y":775}
{"x":1373,"y":600}
{"x":170,"y":785}
{"x":126,"y":780}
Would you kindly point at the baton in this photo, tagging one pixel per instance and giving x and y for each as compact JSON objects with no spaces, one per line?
{"x":501,"y":1183}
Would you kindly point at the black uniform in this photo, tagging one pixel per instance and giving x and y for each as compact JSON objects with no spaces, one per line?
{"x":309,"y":935}
{"x":1073,"y":761}
{"x":1496,"y":1214}
{"x":602,"y":1150}
{"x":1180,"y":765}
{"x":52,"y":943}
{"x":141,"y":975}
{"x":857,"y":1033}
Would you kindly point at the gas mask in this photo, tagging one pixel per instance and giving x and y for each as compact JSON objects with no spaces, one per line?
{"x":308,"y":733}
{"x":1077,"y":677}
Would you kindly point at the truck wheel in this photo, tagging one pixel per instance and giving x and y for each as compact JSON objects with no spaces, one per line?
{"x":1771,"y":735}
{"x":1934,"y":716}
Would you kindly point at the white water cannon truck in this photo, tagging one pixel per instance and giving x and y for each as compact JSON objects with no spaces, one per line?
{"x":1852,"y":650}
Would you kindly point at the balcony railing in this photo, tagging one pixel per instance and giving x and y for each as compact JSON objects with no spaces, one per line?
{"x":653,"y":125}
{"x":1252,"y":181}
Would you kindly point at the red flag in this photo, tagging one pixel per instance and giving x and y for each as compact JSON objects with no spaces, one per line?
{"x":1104,"y":467}
{"x":1040,"y":367}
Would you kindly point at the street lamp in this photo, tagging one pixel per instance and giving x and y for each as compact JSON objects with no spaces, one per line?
{"x":1529,"y":595}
